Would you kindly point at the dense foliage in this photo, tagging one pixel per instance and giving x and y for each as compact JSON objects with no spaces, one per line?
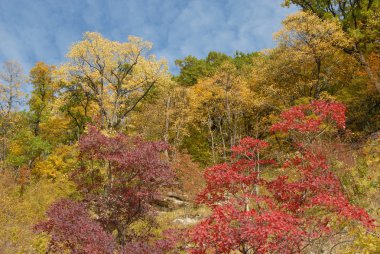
{"x":264,"y":152}
{"x":259,"y":206}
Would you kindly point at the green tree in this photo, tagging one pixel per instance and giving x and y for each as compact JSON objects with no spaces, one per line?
{"x":192,"y":69}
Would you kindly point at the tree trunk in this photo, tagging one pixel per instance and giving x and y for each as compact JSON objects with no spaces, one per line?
{"x":223,"y":142}
{"x":372,"y":76}
{"x":229,"y":128}
{"x":109,"y":179}
{"x":235,"y":130}
{"x":317,"y":85}
{"x":212,"y":137}
{"x":167,"y":122}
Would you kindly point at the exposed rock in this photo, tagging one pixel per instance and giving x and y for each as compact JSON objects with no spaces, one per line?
{"x":187,"y":221}
{"x":171,"y":201}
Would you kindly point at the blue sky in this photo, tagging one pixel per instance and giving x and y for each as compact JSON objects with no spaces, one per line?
{"x":43,"y":30}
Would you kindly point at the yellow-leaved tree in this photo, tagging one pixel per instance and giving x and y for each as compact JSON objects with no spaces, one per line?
{"x":42,"y":96}
{"x":309,"y":58}
{"x":218,"y":105}
{"x":107,"y":79}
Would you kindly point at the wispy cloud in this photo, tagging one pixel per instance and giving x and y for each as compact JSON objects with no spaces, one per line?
{"x":43,"y":30}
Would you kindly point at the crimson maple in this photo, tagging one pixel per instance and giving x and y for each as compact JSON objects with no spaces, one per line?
{"x":312,"y":117}
{"x":261,"y":206}
{"x":72,"y":229}
{"x":119,"y":179}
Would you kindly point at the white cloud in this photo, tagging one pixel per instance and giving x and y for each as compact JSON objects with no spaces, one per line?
{"x":44,"y":30}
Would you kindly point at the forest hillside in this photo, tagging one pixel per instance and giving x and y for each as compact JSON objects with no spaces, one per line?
{"x":276,"y":151}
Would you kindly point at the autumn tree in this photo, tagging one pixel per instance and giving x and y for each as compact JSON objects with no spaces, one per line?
{"x":110,"y":77}
{"x":18,"y":213}
{"x":308,"y":53}
{"x":219,"y":98}
{"x":223,"y":107}
{"x":58,"y":163}
{"x":259,"y":206}
{"x":72,"y":229}
{"x":359,"y":19}
{"x":42,"y":95}
{"x":11,"y":78}
{"x":310,"y":61}
{"x":164,"y":116}
{"x":35,"y":138}
{"x":218,"y":102}
{"x":26,"y":148}
{"x":120,"y":179}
